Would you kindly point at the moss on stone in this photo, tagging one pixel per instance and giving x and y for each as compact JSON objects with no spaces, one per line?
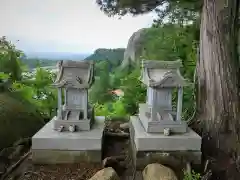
{"x":17,"y":120}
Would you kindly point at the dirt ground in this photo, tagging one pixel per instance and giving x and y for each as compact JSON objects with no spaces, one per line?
{"x":113,"y":146}
{"x":219,"y":167}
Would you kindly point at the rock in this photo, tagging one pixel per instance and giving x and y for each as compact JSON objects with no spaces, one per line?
{"x":18,"y":152}
{"x":106,"y":174}
{"x":4,"y":163}
{"x":116,"y":162}
{"x":157,"y":171}
{"x":23,"y":141}
{"x":124,"y":127}
{"x":134,"y":48}
{"x":17,"y":119}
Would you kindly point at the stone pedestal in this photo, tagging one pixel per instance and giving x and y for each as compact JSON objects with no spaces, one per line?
{"x":174,"y":150}
{"x":80,"y":124}
{"x":53,"y":147}
{"x":157,"y":126}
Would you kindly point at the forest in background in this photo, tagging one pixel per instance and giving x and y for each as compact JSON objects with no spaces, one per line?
{"x":175,"y":34}
{"x":32,"y":63}
{"x":169,"y":41}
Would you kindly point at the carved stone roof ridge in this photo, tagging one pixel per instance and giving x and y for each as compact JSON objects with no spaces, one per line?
{"x":76,"y":74}
{"x":162,"y":74}
{"x":157,"y":64}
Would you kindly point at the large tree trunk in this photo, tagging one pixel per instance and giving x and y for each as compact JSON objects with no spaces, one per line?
{"x":218,"y":72}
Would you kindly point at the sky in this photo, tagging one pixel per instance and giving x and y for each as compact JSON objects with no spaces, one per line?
{"x":65,"y":25}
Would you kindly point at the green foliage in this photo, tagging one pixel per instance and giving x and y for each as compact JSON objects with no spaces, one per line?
{"x":10,"y":59}
{"x":39,"y":92}
{"x":134,"y":91}
{"x":24,"y":100}
{"x":100,"y":91}
{"x":114,"y":109}
{"x":32,"y":63}
{"x":165,"y":42}
{"x":3,"y":76}
{"x":172,"y":42}
{"x":113,"y":56}
{"x":135,"y":7}
{"x":192,"y":176}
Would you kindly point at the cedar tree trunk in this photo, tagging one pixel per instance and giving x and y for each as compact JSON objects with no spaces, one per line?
{"x":218,"y":73}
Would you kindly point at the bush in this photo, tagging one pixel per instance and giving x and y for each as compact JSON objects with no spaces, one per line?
{"x":110,"y":110}
{"x":192,"y":176}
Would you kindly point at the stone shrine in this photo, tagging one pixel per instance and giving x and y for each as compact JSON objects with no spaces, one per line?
{"x":74,"y":78}
{"x":74,"y":135}
{"x":157,"y":113}
{"x":158,"y":133}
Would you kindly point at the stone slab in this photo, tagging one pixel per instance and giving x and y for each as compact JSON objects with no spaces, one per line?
{"x":49,"y":145}
{"x":175,"y":159}
{"x":47,"y":138}
{"x":46,"y":156}
{"x":189,"y":141}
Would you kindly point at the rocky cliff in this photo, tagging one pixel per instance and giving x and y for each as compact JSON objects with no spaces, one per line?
{"x":134,"y":48}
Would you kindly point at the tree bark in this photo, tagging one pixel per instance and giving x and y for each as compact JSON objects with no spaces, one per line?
{"x":218,"y":71}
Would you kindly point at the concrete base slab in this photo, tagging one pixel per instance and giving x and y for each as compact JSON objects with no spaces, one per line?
{"x":174,"y":151}
{"x":47,"y":156}
{"x":189,"y":141}
{"x":49,"y":146}
{"x":174,"y":159}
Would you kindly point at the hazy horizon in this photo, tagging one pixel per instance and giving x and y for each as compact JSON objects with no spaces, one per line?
{"x":65,"y":26}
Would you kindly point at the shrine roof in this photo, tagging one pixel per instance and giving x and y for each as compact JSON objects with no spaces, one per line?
{"x":160,"y":74}
{"x":75,"y":74}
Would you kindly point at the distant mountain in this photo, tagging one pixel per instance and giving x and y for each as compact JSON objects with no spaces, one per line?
{"x":56,"y":55}
{"x":114,"y":56}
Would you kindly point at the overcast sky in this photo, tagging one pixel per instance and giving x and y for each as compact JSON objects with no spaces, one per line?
{"x":65,"y":25}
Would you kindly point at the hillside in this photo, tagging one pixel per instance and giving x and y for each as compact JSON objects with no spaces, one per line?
{"x":56,"y":55}
{"x":32,"y":63}
{"x":115,"y":56}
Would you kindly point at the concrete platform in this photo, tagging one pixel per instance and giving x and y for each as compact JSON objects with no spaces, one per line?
{"x":174,"y":151}
{"x":50,"y":146}
{"x":189,"y":141}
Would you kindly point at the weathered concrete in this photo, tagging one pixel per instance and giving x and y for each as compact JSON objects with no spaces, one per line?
{"x":160,"y":150}
{"x":81,"y":125}
{"x":75,"y":78}
{"x":49,"y":145}
{"x":157,"y":114}
{"x":48,"y":156}
{"x":159,"y":126}
{"x":144,"y":141}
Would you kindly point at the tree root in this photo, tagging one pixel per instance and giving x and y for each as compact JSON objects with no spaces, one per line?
{"x":207,"y":176}
{"x":14,"y":166}
{"x":114,"y":134}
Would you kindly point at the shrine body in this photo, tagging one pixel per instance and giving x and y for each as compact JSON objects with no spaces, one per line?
{"x":159,"y":133}
{"x":74,"y":135}
{"x":161,"y":79}
{"x":73,"y":81}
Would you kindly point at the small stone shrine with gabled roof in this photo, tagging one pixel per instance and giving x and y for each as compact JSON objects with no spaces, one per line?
{"x":74,"y":135}
{"x":158,"y":133}
{"x":161,"y":78}
{"x":74,"y":78}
